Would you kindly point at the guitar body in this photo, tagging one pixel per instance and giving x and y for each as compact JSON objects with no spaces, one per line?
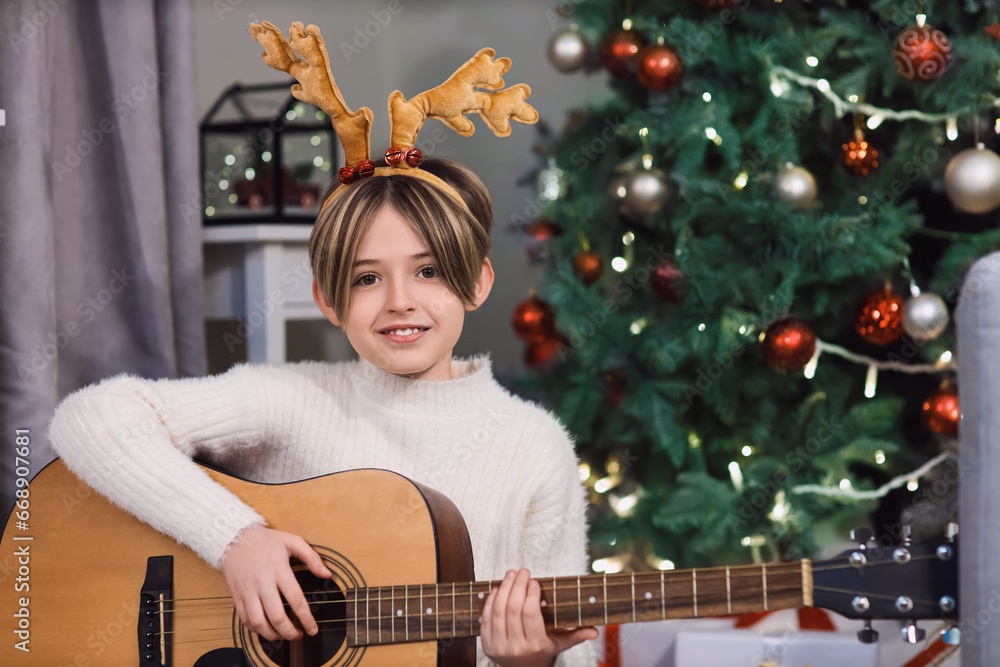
{"x":71,"y":593}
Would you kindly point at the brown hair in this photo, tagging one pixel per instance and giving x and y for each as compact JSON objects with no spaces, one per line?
{"x":457,"y":237}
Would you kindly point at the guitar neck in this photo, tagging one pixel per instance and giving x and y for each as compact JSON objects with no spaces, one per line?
{"x":397,"y":614}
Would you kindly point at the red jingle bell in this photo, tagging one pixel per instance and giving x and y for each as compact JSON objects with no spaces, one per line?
{"x":393,"y":156}
{"x":366,"y":168}
{"x":347,"y":175}
{"x":414,"y":157}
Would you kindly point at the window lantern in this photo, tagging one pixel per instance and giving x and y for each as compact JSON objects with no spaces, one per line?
{"x":265,"y":157}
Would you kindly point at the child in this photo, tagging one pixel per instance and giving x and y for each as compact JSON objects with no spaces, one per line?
{"x":397,"y":263}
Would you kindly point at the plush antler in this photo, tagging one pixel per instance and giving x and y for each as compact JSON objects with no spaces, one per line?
{"x":315,"y":82}
{"x":457,"y":96}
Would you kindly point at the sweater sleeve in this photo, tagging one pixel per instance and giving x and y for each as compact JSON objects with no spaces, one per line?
{"x":132,"y":441}
{"x":554,"y":540}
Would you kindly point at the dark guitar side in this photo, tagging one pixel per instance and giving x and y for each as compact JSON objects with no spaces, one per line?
{"x":82,"y":562}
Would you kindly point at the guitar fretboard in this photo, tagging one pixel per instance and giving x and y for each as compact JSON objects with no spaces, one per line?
{"x":397,"y":614}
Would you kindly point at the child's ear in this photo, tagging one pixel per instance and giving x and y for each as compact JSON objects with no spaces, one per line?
{"x":324,"y":304}
{"x":483,"y":285}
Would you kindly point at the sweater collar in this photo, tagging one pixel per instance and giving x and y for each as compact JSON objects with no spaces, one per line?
{"x":468,"y":391}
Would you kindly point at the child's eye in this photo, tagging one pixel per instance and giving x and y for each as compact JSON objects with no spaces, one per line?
{"x":429,"y":272}
{"x":367,"y":280}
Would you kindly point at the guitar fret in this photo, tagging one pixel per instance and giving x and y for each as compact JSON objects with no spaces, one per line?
{"x":663,"y":594}
{"x":605,"y":598}
{"x":471,"y":624}
{"x":437,"y":615}
{"x":763,"y":578}
{"x":555,"y":605}
{"x":454,"y":631}
{"x":579,"y":605}
{"x":694,"y":590}
{"x":729,"y":595}
{"x":633,"y":597}
{"x":379,"y":615}
{"x":421,"y":606}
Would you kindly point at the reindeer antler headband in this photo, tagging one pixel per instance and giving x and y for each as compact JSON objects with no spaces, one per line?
{"x":449,"y":103}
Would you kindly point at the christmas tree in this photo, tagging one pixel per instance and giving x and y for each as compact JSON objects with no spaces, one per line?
{"x":751,"y":248}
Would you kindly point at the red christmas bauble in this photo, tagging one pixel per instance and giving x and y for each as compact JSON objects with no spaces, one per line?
{"x":588,"y":266}
{"x":788,"y":345}
{"x":543,"y":230}
{"x":921,"y":53}
{"x":941,"y":411}
{"x":533,"y":320}
{"x":619,"y":50}
{"x":859,"y":157}
{"x":614,"y":387}
{"x":658,"y":67}
{"x":542,"y":354}
{"x":716,"y":4}
{"x":665,"y":281}
{"x":879,"y":317}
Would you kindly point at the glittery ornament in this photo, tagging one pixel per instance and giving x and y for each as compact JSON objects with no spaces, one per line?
{"x":665,"y":281}
{"x":972,"y":180}
{"x":921,"y":53}
{"x":619,"y":50}
{"x":588,"y":266}
{"x":567,"y":50}
{"x":941,"y":411}
{"x":859,"y":157}
{"x":879,"y":317}
{"x":658,"y":67}
{"x":788,"y":345}
{"x":533,"y":320}
{"x":925,"y":317}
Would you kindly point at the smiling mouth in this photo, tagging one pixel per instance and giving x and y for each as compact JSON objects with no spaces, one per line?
{"x":402,"y":336}
{"x":403,"y":332}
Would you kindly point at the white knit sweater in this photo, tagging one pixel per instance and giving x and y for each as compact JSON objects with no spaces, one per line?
{"x":507,"y":464}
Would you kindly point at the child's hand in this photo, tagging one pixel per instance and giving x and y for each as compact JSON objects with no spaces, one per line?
{"x":513,"y":631}
{"x":258,"y":573}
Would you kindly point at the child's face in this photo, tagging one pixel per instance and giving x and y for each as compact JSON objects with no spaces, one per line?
{"x":396,"y":286}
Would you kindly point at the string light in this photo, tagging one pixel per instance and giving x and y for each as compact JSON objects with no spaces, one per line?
{"x":951,"y":129}
{"x":266,"y":156}
{"x":912,"y":485}
{"x":223,"y":184}
{"x":871,"y":378}
{"x":315,"y":139}
{"x":693,"y":440}
{"x":812,"y":61}
{"x":741,"y":180}
{"x":810,"y":370}
{"x":209,"y":211}
{"x":665,"y":565}
{"x":619,"y":264}
{"x":845,"y":484}
{"x":701,"y":327}
{"x":230,"y":159}
{"x":782,"y":508}
{"x":603,"y":484}
{"x":880,"y":457}
{"x":233,"y":198}
{"x":707,"y":97}
{"x":636,"y":327}
{"x":710,"y":132}
{"x":249,"y":174}
{"x":862,"y":200}
{"x":736,"y":475}
{"x":747,"y":450}
{"x":584,"y":472}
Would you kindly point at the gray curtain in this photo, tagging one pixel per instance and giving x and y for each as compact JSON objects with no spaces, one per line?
{"x":100,"y":250}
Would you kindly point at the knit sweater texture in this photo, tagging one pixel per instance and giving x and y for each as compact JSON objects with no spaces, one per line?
{"x":507,"y":464}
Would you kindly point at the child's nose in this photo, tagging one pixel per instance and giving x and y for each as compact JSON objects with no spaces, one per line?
{"x":399,"y":297}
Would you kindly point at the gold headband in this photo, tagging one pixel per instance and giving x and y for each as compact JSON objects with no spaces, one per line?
{"x":449,"y":103}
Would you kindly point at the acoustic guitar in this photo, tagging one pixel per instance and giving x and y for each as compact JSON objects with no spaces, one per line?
{"x":87,"y":585}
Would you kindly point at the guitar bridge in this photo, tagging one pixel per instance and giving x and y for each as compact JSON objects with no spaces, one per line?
{"x":156,"y":602}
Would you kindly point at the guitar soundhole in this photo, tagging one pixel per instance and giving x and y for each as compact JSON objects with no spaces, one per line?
{"x":327,"y":604}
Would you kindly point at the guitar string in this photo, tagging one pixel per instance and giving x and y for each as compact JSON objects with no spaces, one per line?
{"x":486,"y":586}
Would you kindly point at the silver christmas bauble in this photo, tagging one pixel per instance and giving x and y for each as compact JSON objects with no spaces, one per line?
{"x":567,"y":50}
{"x":925,"y":317}
{"x":646,"y":191}
{"x":972,"y":180}
{"x":796,"y":187}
